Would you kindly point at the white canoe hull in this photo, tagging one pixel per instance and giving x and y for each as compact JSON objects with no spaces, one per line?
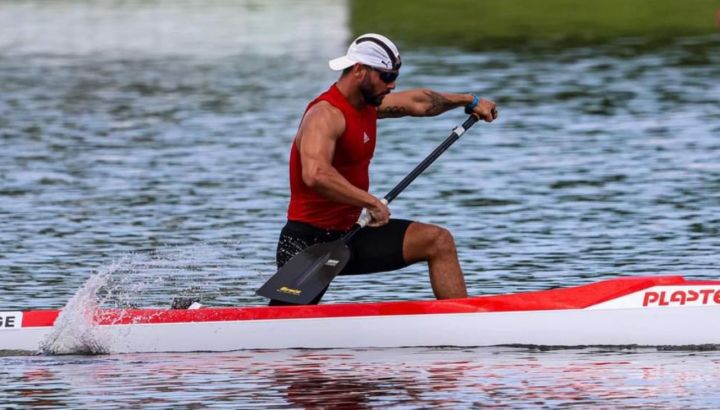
{"x":608,"y":323}
{"x":692,"y":326}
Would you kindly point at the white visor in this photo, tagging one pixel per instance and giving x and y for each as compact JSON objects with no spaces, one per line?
{"x":369,"y":49}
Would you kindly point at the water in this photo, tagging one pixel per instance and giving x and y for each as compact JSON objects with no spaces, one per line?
{"x":397,"y":379}
{"x":151,"y":140}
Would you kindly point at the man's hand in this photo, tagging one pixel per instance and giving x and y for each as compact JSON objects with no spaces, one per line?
{"x":380,"y":214}
{"x":485,"y":110}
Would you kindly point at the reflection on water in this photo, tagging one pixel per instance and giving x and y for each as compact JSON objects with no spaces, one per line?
{"x":156,"y":136}
{"x":402,"y":378}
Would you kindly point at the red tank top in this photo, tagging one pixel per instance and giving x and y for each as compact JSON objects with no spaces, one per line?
{"x":353,"y":152}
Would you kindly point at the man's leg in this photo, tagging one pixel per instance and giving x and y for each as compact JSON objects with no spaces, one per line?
{"x":434,"y":244}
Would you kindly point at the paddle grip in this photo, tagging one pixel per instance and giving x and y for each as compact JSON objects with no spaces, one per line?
{"x":365,"y":216}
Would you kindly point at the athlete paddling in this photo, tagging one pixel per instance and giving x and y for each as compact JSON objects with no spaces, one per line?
{"x":329,"y":170}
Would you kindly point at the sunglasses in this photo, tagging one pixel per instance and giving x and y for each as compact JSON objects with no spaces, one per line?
{"x":386,"y":76}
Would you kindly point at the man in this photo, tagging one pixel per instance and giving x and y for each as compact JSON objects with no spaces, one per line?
{"x":329,"y":170}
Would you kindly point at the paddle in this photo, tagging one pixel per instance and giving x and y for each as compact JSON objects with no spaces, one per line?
{"x":307,"y":274}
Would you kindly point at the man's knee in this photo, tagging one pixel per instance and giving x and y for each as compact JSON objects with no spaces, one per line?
{"x":443,"y":240}
{"x":431,"y":240}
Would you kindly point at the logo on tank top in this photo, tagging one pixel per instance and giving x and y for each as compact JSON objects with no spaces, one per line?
{"x":366,"y":139}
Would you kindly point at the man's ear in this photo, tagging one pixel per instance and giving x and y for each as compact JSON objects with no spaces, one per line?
{"x":358,"y":71}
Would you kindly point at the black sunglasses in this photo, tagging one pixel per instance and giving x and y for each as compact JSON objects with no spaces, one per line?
{"x":386,"y":76}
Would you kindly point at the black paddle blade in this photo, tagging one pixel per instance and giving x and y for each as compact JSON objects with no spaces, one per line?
{"x":305,"y":276}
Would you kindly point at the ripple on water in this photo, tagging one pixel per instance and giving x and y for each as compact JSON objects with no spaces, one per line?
{"x":501,"y":376}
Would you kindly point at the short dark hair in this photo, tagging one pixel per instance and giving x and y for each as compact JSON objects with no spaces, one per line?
{"x":347,"y":70}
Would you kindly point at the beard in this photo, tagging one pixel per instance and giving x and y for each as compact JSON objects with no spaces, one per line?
{"x":372,"y":99}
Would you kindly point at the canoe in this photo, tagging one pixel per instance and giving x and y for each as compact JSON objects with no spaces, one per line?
{"x":639,"y":311}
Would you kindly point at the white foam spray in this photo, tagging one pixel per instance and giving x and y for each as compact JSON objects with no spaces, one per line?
{"x":75,"y":331}
{"x":144,"y":279}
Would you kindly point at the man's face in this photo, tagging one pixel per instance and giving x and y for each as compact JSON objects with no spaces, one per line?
{"x":374,"y":88}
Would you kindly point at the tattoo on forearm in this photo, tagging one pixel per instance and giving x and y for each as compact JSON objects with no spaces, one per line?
{"x":392,"y":112}
{"x":438,"y":104}
{"x":431,"y":103}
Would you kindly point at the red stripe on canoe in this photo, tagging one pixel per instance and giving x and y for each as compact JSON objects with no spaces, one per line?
{"x":578,"y":297}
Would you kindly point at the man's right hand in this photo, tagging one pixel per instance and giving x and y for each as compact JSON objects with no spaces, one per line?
{"x":380,"y":214}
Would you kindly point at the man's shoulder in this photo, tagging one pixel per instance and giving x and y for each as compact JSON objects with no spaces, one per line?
{"x":324,"y":111}
{"x":324,"y":107}
{"x":324,"y":116}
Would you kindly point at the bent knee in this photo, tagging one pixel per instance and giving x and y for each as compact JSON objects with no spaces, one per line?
{"x":431,"y":239}
{"x":427,"y":241}
{"x":443,"y":240}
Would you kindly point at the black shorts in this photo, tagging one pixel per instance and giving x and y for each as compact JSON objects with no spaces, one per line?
{"x":371,"y":250}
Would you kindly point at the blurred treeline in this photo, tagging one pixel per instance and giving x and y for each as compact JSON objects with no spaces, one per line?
{"x":483,"y":24}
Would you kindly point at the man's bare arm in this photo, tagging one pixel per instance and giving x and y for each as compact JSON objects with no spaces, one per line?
{"x":423,"y":102}
{"x":321,"y":127}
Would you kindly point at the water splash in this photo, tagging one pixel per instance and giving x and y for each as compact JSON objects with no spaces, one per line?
{"x":143,"y":279}
{"x":74,"y":331}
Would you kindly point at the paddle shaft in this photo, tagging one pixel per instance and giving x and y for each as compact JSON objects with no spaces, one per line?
{"x":454,"y":136}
